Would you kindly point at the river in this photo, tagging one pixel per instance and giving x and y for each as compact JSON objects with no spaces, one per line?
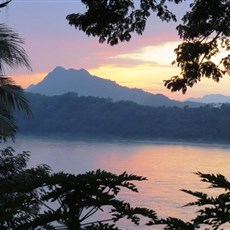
{"x":168,"y":166}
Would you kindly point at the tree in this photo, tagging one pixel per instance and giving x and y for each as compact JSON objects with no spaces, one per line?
{"x":35,"y":197}
{"x":17,"y":206}
{"x":214,"y":211}
{"x":4,"y":4}
{"x":24,"y":192}
{"x":205,"y":32}
{"x":12,"y":98}
{"x":27,"y":195}
{"x":12,"y":55}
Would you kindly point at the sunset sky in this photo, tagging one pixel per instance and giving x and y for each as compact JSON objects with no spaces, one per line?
{"x":144,"y":62}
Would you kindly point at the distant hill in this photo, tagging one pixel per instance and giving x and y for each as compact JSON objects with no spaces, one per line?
{"x":211,"y":98}
{"x":74,"y":116}
{"x":61,"y":81}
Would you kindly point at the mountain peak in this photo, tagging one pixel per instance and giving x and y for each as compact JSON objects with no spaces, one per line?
{"x":80,"y":72}
{"x":61,"y":81}
{"x":58,"y":69}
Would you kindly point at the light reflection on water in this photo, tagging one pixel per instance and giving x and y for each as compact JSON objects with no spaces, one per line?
{"x":169,"y":167}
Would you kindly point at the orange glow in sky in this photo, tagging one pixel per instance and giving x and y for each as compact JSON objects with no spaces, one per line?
{"x":27,"y":79}
{"x":144,"y":62}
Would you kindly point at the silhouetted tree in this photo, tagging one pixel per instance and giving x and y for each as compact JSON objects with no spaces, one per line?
{"x":214,"y":211}
{"x":12,"y":98}
{"x":4,"y":4}
{"x":12,"y":55}
{"x":27,"y":195}
{"x":17,"y":205}
{"x":31,"y":198}
{"x":205,"y":32}
{"x":34,"y":198}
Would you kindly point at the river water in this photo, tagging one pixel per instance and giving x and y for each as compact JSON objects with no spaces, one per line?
{"x":168,"y":167}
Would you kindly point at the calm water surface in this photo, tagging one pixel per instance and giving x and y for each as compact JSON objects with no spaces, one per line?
{"x":169,"y":167}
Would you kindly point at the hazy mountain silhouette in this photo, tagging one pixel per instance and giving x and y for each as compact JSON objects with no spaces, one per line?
{"x":61,"y":81}
{"x":212,"y":98}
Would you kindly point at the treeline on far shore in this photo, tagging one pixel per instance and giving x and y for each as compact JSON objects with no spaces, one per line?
{"x":71,"y":115}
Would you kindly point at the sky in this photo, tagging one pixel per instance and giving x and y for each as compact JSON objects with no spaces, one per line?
{"x":144,"y":62}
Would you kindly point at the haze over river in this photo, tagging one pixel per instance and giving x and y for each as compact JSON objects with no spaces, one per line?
{"x":169,"y":167}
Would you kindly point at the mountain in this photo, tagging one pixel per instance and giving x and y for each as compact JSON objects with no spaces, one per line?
{"x":211,"y":98}
{"x":61,"y":81}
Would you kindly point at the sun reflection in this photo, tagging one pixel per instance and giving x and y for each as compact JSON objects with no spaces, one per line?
{"x":168,"y":169}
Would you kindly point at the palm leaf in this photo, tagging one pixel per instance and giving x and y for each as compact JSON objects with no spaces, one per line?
{"x":12,"y":97}
{"x":12,"y":54}
{"x":7,"y":125}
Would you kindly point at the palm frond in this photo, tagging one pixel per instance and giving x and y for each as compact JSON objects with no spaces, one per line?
{"x":12,"y":53}
{"x":8,"y":127}
{"x":4,"y":4}
{"x":12,"y":97}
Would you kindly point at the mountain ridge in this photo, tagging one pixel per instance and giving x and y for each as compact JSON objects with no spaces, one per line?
{"x":211,"y":98}
{"x":61,"y":81}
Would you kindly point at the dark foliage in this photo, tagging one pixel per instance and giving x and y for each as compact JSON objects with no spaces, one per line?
{"x":115,"y":21}
{"x":4,"y":4}
{"x":71,"y":115}
{"x":204,"y":30}
{"x":12,"y":55}
{"x":18,"y":206}
{"x":214,"y":211}
{"x":12,"y":99}
{"x":32,"y":198}
{"x":36,"y":198}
